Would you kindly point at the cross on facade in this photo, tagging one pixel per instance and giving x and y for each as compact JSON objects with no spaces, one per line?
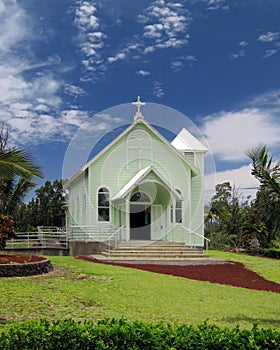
{"x":138,"y":104}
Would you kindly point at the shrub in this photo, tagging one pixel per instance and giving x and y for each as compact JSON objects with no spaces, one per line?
{"x":270,"y":252}
{"x":121,"y":334}
{"x":7,"y":230}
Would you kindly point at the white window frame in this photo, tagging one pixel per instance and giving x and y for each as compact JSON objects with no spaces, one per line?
{"x":98,"y":206}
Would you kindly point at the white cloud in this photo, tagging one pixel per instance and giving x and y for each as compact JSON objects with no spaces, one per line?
{"x":165,"y":25}
{"x":143,"y":72}
{"x":158,"y":89}
{"x":217,"y":4}
{"x":179,"y":62}
{"x":243,"y":43}
{"x":85,"y":18}
{"x":117,"y":57}
{"x":74,"y":90}
{"x":91,"y":39}
{"x":30,"y":103}
{"x":269,"y":37}
{"x":239,"y":178}
{"x":230,"y":134}
{"x":269,"y":53}
{"x":14,"y":26}
{"x":240,"y":53}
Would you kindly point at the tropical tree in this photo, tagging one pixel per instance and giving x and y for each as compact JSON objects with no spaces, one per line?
{"x":15,"y":162}
{"x":17,"y":171}
{"x":267,"y":204}
{"x":265,"y":171}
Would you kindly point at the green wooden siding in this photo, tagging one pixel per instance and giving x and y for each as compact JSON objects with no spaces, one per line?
{"x":110,"y":170}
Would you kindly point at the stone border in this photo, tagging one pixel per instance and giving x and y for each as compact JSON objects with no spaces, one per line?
{"x":26,"y":269}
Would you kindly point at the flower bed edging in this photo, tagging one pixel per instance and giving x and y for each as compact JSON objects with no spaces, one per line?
{"x":27,"y":269}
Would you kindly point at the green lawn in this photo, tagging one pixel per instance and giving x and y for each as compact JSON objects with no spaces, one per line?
{"x":84,"y":290}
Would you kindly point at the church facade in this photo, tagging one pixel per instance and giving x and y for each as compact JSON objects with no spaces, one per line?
{"x":140,"y":187}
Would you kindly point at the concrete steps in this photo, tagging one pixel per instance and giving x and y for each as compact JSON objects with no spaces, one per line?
{"x":147,"y":251}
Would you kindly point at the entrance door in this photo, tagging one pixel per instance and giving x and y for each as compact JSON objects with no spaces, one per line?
{"x":157,"y":222}
{"x":140,"y":221}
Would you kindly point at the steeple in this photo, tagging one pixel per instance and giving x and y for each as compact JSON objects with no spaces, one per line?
{"x":138,"y":115}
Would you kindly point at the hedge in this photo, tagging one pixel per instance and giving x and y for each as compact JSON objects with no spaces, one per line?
{"x":270,"y":252}
{"x":122,"y":334}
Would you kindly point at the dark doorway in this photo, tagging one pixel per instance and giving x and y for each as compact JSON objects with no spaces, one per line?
{"x":140,"y":221}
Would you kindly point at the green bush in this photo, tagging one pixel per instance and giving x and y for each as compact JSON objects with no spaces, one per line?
{"x":270,"y":252}
{"x":121,"y":334}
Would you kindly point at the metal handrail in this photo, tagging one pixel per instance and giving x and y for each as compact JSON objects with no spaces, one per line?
{"x":39,"y":239}
{"x":88,"y":232}
{"x":114,"y":236}
{"x":207,"y":240}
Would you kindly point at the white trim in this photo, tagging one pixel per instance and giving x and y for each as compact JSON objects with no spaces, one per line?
{"x":136,"y":180}
{"x":126,"y":131}
{"x":97,"y":207}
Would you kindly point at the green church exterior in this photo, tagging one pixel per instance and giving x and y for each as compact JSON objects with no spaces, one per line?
{"x":140,"y":187}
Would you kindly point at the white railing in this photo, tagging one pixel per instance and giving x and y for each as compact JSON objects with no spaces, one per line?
{"x":192,"y":235}
{"x":87,"y":233}
{"x":41,"y":239}
{"x":112,"y":241}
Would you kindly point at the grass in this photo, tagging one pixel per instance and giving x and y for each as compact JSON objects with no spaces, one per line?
{"x":84,"y":290}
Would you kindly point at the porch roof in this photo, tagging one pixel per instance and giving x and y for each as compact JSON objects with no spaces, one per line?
{"x":136,"y":180}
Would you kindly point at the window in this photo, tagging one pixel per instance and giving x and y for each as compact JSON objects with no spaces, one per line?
{"x":178,"y":210}
{"x":103,"y":204}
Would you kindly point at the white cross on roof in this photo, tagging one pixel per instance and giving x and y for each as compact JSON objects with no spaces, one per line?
{"x":138,"y":104}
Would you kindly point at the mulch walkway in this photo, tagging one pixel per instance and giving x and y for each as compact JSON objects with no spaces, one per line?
{"x":230,"y":273}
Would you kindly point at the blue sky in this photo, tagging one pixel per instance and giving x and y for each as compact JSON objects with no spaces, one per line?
{"x":214,"y":61}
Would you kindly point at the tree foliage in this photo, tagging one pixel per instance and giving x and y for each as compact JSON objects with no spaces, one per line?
{"x":15,"y":162}
{"x":7,"y":230}
{"x":17,"y":171}
{"x":46,"y":209}
{"x":236,"y":223}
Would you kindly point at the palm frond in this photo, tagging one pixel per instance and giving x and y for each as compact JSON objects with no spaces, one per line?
{"x":18,"y":162}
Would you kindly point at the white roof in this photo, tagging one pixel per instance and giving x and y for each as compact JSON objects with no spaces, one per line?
{"x":187,"y":142}
{"x":136,"y":180}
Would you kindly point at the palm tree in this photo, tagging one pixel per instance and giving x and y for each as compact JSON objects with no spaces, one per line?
{"x":268,"y":197}
{"x":17,"y":162}
{"x":264,"y":170}
{"x":17,"y":169}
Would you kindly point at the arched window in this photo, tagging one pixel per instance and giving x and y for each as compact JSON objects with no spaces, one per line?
{"x":103,"y":204}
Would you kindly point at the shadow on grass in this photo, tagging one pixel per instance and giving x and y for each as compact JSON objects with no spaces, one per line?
{"x":263,"y":322}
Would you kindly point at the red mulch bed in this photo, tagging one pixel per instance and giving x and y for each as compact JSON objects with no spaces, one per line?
{"x":230,"y":273}
{"x":19,"y":258}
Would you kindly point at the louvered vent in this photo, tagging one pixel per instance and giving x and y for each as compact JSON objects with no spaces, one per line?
{"x":190,"y":156}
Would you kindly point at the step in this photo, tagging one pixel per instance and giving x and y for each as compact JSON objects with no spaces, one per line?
{"x":140,"y":243}
{"x":202,"y":260}
{"x":153,"y":252}
{"x":159,"y":248}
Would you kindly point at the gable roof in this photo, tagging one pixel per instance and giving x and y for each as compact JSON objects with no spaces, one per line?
{"x":193,"y":168}
{"x":185,"y":141}
{"x":136,"y":180}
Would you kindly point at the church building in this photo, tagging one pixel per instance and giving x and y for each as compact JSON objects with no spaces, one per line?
{"x":140,"y":187}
